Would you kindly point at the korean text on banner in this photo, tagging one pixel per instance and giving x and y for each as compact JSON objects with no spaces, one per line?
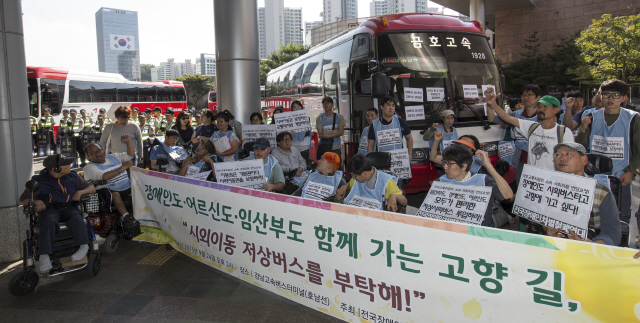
{"x":252,"y":132}
{"x":414,"y":112}
{"x":297,"y":121}
{"x":359,"y":264}
{"x":610,"y":146}
{"x":400,"y":164}
{"x":456,"y":203}
{"x":435,"y":94}
{"x":248,"y":173}
{"x":555,"y":199}
{"x":412,"y":94}
{"x":470,"y":91}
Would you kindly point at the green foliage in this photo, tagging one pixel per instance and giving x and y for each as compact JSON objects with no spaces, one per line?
{"x":611,"y":47}
{"x":196,"y":87}
{"x":145,"y":72}
{"x":279,"y":57}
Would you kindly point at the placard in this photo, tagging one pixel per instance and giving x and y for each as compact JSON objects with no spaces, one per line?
{"x":202,"y":176}
{"x":412,"y":94}
{"x":470,"y":91}
{"x":485,"y":87}
{"x":555,"y":199}
{"x":319,"y":191}
{"x":248,"y":173}
{"x":506,"y":149}
{"x":222,"y":144}
{"x":400,"y":164}
{"x":252,"y":132}
{"x":456,"y":203}
{"x":388,"y":137}
{"x":435,"y":94}
{"x":366,"y":203}
{"x":297,"y":121}
{"x":414,"y":112}
{"x":178,"y":154}
{"x":612,"y":147}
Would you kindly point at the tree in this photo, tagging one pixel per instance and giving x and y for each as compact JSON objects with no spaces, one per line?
{"x":196,"y":87}
{"x":279,"y":57}
{"x":611,"y":46}
{"x":145,"y":72}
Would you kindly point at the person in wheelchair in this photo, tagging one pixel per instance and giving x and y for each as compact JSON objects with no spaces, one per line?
{"x":371,"y":188}
{"x":325,"y":181}
{"x":56,"y":201}
{"x":113,"y":169}
{"x":201,"y":161}
{"x":272,"y":170}
{"x":604,"y":223}
{"x":160,"y":155}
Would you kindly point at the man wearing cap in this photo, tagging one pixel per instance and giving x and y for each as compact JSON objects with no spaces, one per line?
{"x":102,"y":112}
{"x":324,"y":181}
{"x":543,"y":135}
{"x":33,"y":121}
{"x":98,"y":128}
{"x":166,"y":122}
{"x":272,"y":170}
{"x":198,"y":118}
{"x":86,"y":119}
{"x":265,"y":115}
{"x":157,"y":117}
{"x":77,"y":126}
{"x":64,"y":121}
{"x":56,"y":201}
{"x":146,"y":130}
{"x":604,"y":224}
{"x":330,"y":126}
{"x":134,"y":116}
{"x":47,"y":123}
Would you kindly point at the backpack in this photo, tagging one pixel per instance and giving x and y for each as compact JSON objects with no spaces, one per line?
{"x":560,"y":132}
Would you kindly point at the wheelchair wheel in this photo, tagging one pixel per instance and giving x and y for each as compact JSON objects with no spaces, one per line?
{"x":24,"y":282}
{"x":93,"y":264}
{"x":111,"y":244}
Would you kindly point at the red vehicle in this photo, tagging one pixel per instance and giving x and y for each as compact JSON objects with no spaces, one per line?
{"x":59,"y":89}
{"x":417,"y":52}
{"x":213,"y":102}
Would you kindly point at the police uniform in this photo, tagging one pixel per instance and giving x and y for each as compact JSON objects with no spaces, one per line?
{"x":77,"y":127}
{"x":87,"y":120}
{"x":34,"y":128}
{"x":46,"y":122}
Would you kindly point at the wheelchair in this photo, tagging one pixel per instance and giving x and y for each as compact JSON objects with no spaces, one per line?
{"x":25,"y":281}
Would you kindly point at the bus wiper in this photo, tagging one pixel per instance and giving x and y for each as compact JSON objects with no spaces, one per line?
{"x":461,"y":105}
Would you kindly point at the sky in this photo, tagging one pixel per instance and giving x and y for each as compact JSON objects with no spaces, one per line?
{"x":62,"y":33}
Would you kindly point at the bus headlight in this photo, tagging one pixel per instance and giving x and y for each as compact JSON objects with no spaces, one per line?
{"x":418,"y":155}
{"x":490,"y":147}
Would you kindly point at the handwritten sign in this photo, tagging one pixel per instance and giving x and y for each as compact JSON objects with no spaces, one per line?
{"x":388,"y":137}
{"x":317,"y":190}
{"x":435,"y":94}
{"x":470,"y":91}
{"x":555,"y":199}
{"x":456,"y":203}
{"x":400,"y":164}
{"x":414,"y":112}
{"x":252,"y":132}
{"x":506,"y":149}
{"x":609,"y":146}
{"x":412,"y":94}
{"x":202,"y":176}
{"x":248,"y":173}
{"x":297,"y":121}
{"x":365,"y":203}
{"x":486,"y":87}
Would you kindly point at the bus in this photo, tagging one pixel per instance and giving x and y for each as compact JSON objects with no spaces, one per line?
{"x":420,"y":53}
{"x":60,"y":89}
{"x":213,"y":102}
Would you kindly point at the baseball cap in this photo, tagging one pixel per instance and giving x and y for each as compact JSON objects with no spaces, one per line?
{"x":549,"y":100}
{"x":157,"y":109}
{"x":198,"y":113}
{"x":83,"y":110}
{"x":510,"y":175}
{"x":47,"y":109}
{"x":65,"y":111}
{"x":148,"y":110}
{"x":333,"y":159}
{"x":446,"y":113}
{"x":73,"y":111}
{"x":327,"y":99}
{"x":571,"y":145}
{"x":169,"y":111}
{"x":50,"y":162}
{"x":264,"y":109}
{"x":142,"y":115}
{"x":135,"y":109}
{"x":262,"y":143}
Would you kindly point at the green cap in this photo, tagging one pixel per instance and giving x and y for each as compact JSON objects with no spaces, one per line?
{"x":549,"y":100}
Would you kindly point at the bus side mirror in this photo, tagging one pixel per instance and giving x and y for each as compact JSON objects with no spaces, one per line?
{"x":379,"y":86}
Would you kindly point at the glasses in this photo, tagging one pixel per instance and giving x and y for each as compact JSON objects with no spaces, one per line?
{"x":567,"y":154}
{"x":97,"y":151}
{"x":528,"y":95}
{"x":448,"y":164}
{"x":184,"y":118}
{"x":286,"y":140}
{"x":614,"y":95}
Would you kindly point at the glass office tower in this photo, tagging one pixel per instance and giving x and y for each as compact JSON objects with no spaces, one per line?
{"x":118,"y":44}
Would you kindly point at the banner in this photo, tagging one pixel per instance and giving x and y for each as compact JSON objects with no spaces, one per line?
{"x":251,"y":132}
{"x":122,"y":42}
{"x":363,"y":265}
{"x":456,"y":203}
{"x":297,"y":121}
{"x":248,"y":173}
{"x":555,"y":199}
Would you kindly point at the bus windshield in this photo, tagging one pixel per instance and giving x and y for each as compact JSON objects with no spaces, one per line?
{"x":33,"y":97}
{"x":212,"y":97}
{"x":443,"y":61}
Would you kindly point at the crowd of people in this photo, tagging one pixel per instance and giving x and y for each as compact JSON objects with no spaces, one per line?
{"x":541,"y":127}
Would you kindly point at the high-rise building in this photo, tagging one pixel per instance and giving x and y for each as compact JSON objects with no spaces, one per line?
{"x":387,"y":7}
{"x":293,"y":25}
{"x":262,"y":32}
{"x":207,"y":64}
{"x":118,"y":42}
{"x":308,"y":25}
{"x":274,"y":23}
{"x":338,"y":10}
{"x":278,"y":25}
{"x":377,"y":8}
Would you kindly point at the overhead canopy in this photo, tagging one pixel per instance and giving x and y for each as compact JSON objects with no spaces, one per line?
{"x":490,"y":7}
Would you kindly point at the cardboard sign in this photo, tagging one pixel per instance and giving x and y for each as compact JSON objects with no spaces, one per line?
{"x":506,"y":149}
{"x":413,"y":94}
{"x":414,"y":112}
{"x":252,"y":132}
{"x":609,"y":146}
{"x":470,"y":91}
{"x":389,"y":137}
{"x":435,"y":94}
{"x":297,"y":121}
{"x":248,"y":173}
{"x":555,"y":199}
{"x":400,"y":164}
{"x":456,"y":203}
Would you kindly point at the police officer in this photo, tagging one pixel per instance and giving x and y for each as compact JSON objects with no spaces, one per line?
{"x":86,"y":119}
{"x":98,"y":128}
{"x":166,"y":123}
{"x":64,"y":121}
{"x":103,"y":113}
{"x":147,"y":130}
{"x":76,"y":126}
{"x":47,"y":123}
{"x":157,"y":117}
{"x":134,"y":116}
{"x":34,"y":129}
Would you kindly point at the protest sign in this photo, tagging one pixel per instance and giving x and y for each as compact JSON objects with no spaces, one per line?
{"x":248,"y":173}
{"x":179,"y":154}
{"x":363,"y":265}
{"x":388,"y":137}
{"x":412,"y":94}
{"x":252,"y":132}
{"x":506,"y":149}
{"x":609,"y":146}
{"x":435,"y":94}
{"x":414,"y":112}
{"x":555,"y":199}
{"x":297,"y":121}
{"x":222,"y":144}
{"x":486,"y":87}
{"x":456,"y":203}
{"x":400,"y":164}
{"x":202,"y":176}
{"x":470,"y":91}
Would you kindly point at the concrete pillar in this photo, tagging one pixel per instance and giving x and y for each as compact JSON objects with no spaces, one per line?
{"x":237,"y":57}
{"x":476,"y":11}
{"x":15,"y":135}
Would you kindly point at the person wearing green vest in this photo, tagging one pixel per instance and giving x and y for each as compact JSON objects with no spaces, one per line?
{"x":103,"y":113}
{"x":64,"y":121}
{"x":134,"y":116}
{"x":86,"y":119}
{"x":34,"y":128}
{"x":47,"y":123}
{"x":76,"y":126}
{"x":166,"y":123}
{"x":98,"y":128}
{"x":146,"y":130}
{"x":156,"y":118}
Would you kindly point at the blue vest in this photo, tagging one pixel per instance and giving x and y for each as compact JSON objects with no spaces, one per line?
{"x":619,"y":129}
{"x":475,"y":166}
{"x":364,"y":142}
{"x":521,"y":143}
{"x":269,"y":166}
{"x":316,"y":179}
{"x":229,"y":133}
{"x":447,"y":136}
{"x":396,"y":142}
{"x":327,"y":125}
{"x":475,"y":180}
{"x":119,"y":183}
{"x":360,"y":190}
{"x":56,"y":190}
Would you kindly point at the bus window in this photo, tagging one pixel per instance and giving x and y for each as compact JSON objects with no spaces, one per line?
{"x":331,"y":85}
{"x":33,"y":97}
{"x":362,"y":78}
{"x":79,"y":92}
{"x":212,"y":96}
{"x":311,"y":78}
{"x":127,"y":93}
{"x":147,"y":93}
{"x":285,"y":84}
{"x":103,"y":92}
{"x":178,"y":94}
{"x":296,"y":79}
{"x":164,"y":93}
{"x":51,"y":96}
{"x":337,"y":54}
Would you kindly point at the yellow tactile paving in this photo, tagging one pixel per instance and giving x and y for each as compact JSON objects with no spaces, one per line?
{"x":158,"y":256}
